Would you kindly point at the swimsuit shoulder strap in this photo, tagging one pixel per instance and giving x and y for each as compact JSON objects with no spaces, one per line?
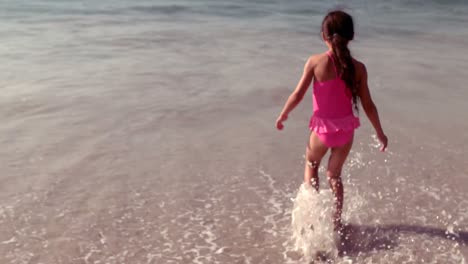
{"x":330,"y":55}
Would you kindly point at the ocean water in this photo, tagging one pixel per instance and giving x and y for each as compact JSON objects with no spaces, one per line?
{"x":143,"y":132}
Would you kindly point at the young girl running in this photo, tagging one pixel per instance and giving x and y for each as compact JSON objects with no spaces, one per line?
{"x":339,"y":82}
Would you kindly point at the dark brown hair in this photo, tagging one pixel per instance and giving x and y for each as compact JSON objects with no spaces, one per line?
{"x":338,"y":28}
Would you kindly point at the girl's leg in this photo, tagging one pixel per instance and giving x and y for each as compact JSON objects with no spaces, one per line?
{"x":335,"y":163}
{"x":314,"y":154}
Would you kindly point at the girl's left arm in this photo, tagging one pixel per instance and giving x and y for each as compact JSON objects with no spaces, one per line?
{"x":296,"y":97}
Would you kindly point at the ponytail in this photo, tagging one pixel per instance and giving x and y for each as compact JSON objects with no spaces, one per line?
{"x":338,"y":28}
{"x":345,"y":64}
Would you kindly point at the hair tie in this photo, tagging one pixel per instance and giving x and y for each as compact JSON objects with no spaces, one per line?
{"x":335,"y":35}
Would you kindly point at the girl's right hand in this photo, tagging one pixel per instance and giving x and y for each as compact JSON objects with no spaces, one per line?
{"x":280,"y":120}
{"x":383,"y":141}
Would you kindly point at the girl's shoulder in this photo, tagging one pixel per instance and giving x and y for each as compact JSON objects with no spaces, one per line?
{"x":316,"y":59}
{"x":360,"y":68}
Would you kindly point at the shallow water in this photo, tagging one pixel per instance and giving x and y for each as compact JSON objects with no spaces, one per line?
{"x":143,"y":132}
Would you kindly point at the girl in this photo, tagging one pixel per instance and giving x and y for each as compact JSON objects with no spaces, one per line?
{"x":339,"y":82}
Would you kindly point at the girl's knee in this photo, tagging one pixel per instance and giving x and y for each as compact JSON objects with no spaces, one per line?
{"x":333,"y":174}
{"x":313,"y":164}
{"x":311,"y":161}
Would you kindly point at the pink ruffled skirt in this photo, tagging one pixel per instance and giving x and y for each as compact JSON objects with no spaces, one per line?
{"x":334,"y":132}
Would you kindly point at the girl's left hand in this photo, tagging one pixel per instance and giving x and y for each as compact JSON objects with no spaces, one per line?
{"x":280,"y":120}
{"x":383,"y":141}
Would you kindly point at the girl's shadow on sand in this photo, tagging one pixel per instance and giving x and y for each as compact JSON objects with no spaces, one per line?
{"x":361,"y":239}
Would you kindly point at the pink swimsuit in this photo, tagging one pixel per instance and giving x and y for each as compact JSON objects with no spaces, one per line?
{"x":333,"y":120}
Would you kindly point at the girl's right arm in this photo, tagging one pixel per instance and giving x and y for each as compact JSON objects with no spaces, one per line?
{"x":296,"y":97}
{"x":369,"y":106}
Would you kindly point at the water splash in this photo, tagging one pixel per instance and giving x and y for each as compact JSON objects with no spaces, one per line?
{"x":312,"y":223}
{"x":312,"y":226}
